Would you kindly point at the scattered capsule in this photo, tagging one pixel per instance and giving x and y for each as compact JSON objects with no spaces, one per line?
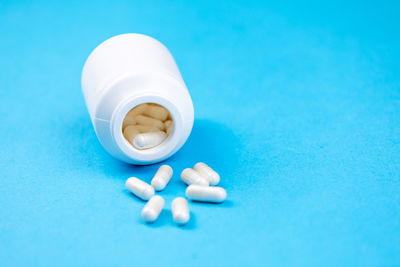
{"x":205,"y":193}
{"x":149,"y":140}
{"x":162,"y":177}
{"x":190,"y":176}
{"x":130,"y":132}
{"x":152,"y":209}
{"x":139,"y":188}
{"x":144,"y":120}
{"x":180,"y":210}
{"x":156,"y":112}
{"x":207,"y":173}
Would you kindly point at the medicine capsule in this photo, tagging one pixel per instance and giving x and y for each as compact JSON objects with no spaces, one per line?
{"x":130,"y":132}
{"x":162,"y":177}
{"x":205,"y":193}
{"x":169,"y":126}
{"x":128,"y":121}
{"x":180,"y":210}
{"x":137,"y":110}
{"x":152,"y":209}
{"x":156,"y":112}
{"x":207,"y":172}
{"x":139,"y":188}
{"x":144,"y":120}
{"x":168,"y":123}
{"x":146,"y":128}
{"x":149,"y":140}
{"x":190,"y":176}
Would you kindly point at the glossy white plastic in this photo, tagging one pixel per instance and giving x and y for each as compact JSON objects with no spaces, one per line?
{"x":128,"y":70}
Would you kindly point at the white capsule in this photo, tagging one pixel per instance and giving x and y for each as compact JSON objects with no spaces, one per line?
{"x":137,"y":110}
{"x":168,"y":123}
{"x":139,"y":188}
{"x":205,"y":193}
{"x":146,"y":128}
{"x":130,"y":118}
{"x":149,"y":140}
{"x":162,"y":177}
{"x":169,"y":130}
{"x":207,"y":173}
{"x":152,"y":209}
{"x":130,"y":132}
{"x":190,"y":176}
{"x":180,"y":210}
{"x":156,"y":112}
{"x":144,"y":120}
{"x":169,"y":126}
{"x":128,"y":121}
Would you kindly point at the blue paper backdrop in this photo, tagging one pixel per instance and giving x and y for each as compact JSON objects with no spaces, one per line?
{"x":297,"y":107}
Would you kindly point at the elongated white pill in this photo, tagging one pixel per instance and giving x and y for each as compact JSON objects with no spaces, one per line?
{"x":144,"y":120}
{"x":162,"y":177}
{"x":205,"y":193}
{"x":139,"y":188}
{"x":130,"y":132}
{"x":156,"y":112}
{"x":207,"y":172}
{"x":149,"y":139}
{"x":152,"y":209}
{"x":180,"y":210}
{"x":190,"y":176}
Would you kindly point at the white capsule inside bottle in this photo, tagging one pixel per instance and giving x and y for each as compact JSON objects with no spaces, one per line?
{"x":180,"y":210}
{"x":208,"y":173}
{"x":169,"y":129}
{"x":156,"y":112}
{"x":139,"y":188}
{"x":144,"y":120}
{"x":152,"y":209}
{"x":138,"y":110}
{"x":130,"y":133}
{"x":205,"y":193}
{"x":162,"y":177}
{"x":146,"y":128}
{"x":128,"y":121}
{"x":149,"y":139}
{"x":190,"y":176}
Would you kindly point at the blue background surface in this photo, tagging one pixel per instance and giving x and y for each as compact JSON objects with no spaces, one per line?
{"x":297,"y":107}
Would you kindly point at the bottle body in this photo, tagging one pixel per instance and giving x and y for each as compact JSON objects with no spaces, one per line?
{"x":126,"y":71}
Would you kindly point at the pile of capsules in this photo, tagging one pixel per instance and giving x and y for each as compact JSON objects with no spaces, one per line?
{"x":147,"y":125}
{"x":201,"y":181}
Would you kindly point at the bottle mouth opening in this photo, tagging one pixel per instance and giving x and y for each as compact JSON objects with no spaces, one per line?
{"x":147,"y":125}
{"x":147,"y":128}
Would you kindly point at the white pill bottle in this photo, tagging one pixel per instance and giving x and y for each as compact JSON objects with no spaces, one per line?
{"x":128,"y":70}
